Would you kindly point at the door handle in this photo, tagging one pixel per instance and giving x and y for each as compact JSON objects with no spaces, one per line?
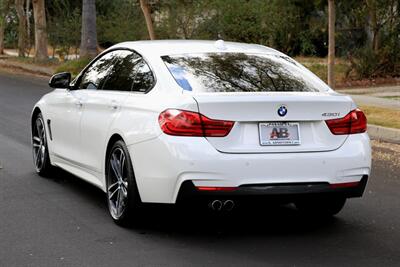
{"x":78,"y":103}
{"x":114,"y":105}
{"x":75,"y":99}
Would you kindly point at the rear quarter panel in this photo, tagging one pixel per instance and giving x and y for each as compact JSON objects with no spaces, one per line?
{"x":137,"y":120}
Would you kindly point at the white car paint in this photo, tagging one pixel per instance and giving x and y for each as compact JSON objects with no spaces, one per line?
{"x":83,"y":122}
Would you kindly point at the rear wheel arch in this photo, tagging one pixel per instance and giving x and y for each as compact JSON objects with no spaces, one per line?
{"x":114,"y":138}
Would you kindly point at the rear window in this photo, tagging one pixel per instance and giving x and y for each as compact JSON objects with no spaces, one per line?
{"x":240,"y":72}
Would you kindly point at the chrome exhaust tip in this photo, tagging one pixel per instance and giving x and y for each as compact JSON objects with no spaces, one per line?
{"x":216,"y":205}
{"x":228,"y":205}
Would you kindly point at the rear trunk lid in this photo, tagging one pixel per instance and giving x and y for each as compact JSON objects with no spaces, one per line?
{"x":308,"y":110}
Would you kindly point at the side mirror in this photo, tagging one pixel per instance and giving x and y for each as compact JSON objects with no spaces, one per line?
{"x":60,"y":80}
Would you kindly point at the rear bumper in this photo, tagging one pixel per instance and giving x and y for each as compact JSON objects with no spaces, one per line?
{"x":284,"y":192}
{"x":166,"y":164}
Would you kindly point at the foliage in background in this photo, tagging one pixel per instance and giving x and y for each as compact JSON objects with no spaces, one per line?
{"x":380,"y":56}
{"x":73,"y":66}
{"x":118,"y":21}
{"x":64,"y":22}
{"x":367,"y":31}
{"x":11,"y":31}
{"x":293,"y":26}
{"x":182,"y":19}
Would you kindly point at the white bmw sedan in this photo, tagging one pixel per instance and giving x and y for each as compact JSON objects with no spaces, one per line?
{"x":170,"y":121}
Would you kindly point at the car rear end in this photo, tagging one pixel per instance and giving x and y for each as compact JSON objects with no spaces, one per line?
{"x":265,"y":126}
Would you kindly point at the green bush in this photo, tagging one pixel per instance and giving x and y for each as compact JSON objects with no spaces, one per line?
{"x":371,"y":64}
{"x":73,"y":66}
{"x":366,"y":63}
{"x":64,"y":23}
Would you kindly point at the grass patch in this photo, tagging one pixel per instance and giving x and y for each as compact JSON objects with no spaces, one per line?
{"x":348,"y":92}
{"x":320,"y":68}
{"x":73,"y":66}
{"x":392,"y":97}
{"x":382,"y":116}
{"x":51,"y":62}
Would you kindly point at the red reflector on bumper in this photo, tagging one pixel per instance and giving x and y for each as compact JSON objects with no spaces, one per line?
{"x":212,"y":188}
{"x":344,"y":185}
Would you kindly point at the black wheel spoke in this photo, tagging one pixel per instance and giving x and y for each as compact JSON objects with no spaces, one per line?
{"x":38,"y":157}
{"x":115,"y":167}
{"x":113,"y":193}
{"x":38,"y":129}
{"x":124,"y":190}
{"x":118,"y":203}
{"x":112,"y":186}
{"x":122,"y":165}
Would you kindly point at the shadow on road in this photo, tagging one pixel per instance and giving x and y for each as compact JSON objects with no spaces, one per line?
{"x":246,"y":220}
{"x":261,"y":220}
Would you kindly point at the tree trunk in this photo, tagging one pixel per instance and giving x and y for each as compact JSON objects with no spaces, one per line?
{"x":373,"y":24}
{"x":331,"y":45}
{"x":28,"y":24}
{"x":19,"y":6}
{"x":147,"y":15}
{"x":39,"y":13}
{"x":2,"y":28}
{"x":88,"y":46}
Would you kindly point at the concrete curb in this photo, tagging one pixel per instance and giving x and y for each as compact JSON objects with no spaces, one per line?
{"x":384,"y":134}
{"x":46,"y":71}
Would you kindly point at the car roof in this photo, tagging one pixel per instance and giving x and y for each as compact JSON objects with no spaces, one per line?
{"x":175,"y":47}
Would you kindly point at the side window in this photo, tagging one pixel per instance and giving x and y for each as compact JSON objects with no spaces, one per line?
{"x":121,"y":76}
{"x":130,"y":73}
{"x":144,"y":78}
{"x":97,"y":73}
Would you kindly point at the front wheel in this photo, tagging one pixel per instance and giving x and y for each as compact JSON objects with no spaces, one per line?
{"x":122,"y":194}
{"x":41,"y":159}
{"x":321,"y":206}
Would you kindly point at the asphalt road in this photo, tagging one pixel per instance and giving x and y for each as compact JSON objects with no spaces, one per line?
{"x":62,"y":221}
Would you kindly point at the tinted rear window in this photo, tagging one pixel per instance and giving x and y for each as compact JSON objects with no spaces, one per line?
{"x":239,"y":72}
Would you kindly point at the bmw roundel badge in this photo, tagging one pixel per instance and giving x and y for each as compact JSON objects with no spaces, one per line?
{"x":282,"y":110}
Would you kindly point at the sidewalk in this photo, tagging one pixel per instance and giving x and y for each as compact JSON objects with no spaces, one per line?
{"x":25,"y":67}
{"x":371,"y":90}
{"x":376,"y":101}
{"x":374,"y":96}
{"x":14,"y":53}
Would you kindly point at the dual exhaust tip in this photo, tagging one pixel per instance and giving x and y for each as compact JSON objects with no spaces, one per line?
{"x":221,"y":205}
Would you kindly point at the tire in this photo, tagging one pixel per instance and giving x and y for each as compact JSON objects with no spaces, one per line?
{"x":123,"y":198}
{"x":321,"y":206}
{"x":40,"y":150}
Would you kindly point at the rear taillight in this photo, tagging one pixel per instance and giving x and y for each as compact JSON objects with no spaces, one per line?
{"x":344,"y":185}
{"x":212,"y":188}
{"x":189,"y":123}
{"x":352,"y":123}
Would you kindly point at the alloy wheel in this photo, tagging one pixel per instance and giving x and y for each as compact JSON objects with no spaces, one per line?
{"x":39,"y":144}
{"x":117,"y":190}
